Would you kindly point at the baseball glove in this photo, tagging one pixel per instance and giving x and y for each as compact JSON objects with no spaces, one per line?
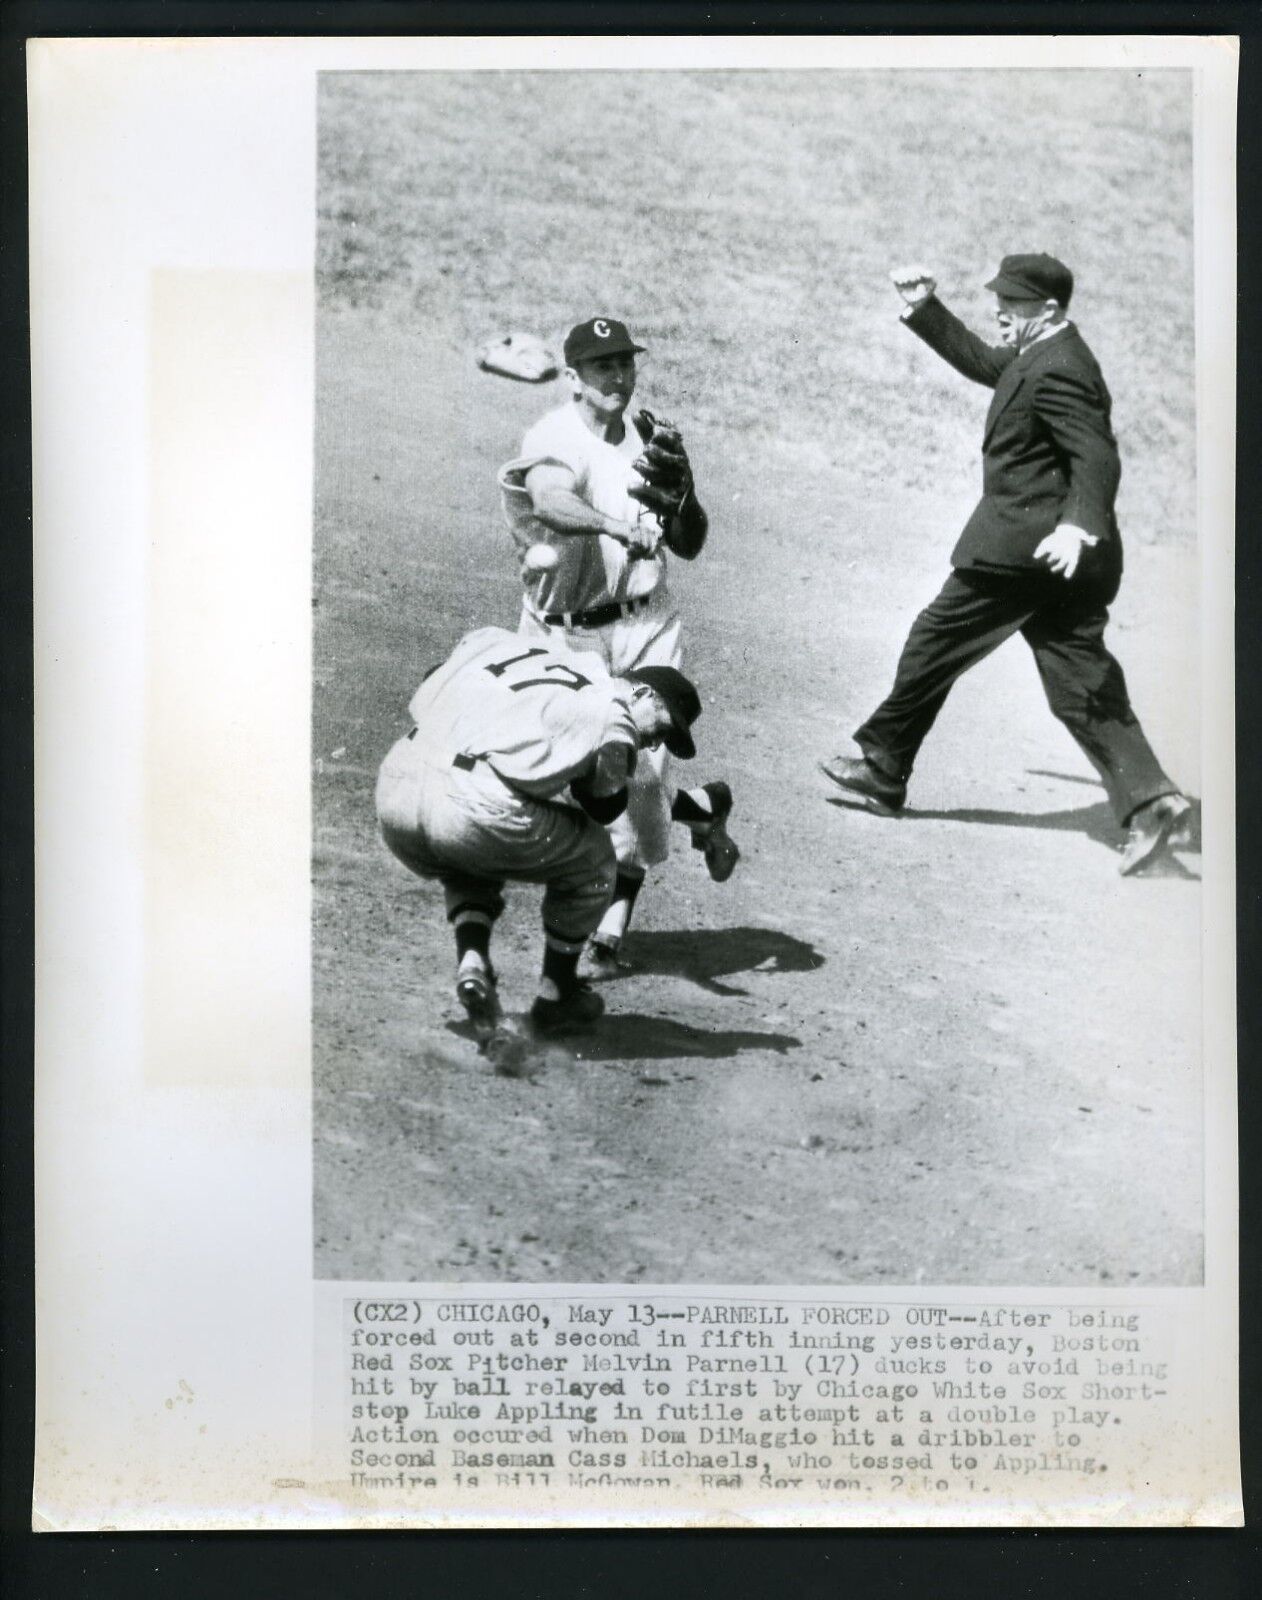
{"x":518,"y":355}
{"x":664,"y":466}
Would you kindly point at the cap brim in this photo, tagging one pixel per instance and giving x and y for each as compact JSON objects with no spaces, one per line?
{"x":596,"y":351}
{"x":679,"y":742}
{"x":1013,"y":289}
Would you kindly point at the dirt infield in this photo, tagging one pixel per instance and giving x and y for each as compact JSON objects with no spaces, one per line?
{"x":951,"y":1048}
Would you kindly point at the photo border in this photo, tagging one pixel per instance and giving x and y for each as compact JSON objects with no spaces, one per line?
{"x":325,"y":1563}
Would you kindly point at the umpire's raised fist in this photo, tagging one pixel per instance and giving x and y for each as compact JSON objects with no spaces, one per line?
{"x":914,"y":283}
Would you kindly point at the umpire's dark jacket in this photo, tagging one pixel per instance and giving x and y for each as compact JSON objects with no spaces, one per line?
{"x":1048,"y":454}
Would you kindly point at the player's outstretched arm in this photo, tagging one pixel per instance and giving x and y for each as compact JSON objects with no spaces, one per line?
{"x":557,"y":505}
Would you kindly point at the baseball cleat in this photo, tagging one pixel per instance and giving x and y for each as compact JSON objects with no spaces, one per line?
{"x":578,"y":1007}
{"x":867,"y":784}
{"x":476,"y":992}
{"x":601,"y":960}
{"x":1152,"y":829}
{"x":721,"y":852}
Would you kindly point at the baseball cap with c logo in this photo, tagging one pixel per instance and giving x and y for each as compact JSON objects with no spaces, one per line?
{"x":599,"y":336}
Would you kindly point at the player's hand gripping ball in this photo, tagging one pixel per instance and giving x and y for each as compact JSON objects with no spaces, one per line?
{"x":664,"y":467}
{"x":539,"y":558}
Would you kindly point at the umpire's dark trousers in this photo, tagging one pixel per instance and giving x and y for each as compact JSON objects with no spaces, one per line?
{"x":1063,"y":623}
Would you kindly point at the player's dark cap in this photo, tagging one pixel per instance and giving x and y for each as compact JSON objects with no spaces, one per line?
{"x":599,"y":336}
{"x":1033,"y":277}
{"x":681,"y":700}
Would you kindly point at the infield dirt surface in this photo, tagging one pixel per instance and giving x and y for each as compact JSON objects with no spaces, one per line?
{"x":950,"y":1048}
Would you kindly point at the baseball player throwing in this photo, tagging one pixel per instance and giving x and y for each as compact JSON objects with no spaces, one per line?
{"x":518,"y":759}
{"x":593,"y":506}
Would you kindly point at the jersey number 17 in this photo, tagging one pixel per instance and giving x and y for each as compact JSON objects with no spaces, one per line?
{"x":566,"y":677}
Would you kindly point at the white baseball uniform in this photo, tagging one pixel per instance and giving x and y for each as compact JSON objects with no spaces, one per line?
{"x":595,"y":573}
{"x":471,"y":795}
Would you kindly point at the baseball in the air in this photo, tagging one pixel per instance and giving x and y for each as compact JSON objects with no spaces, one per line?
{"x":540,"y":558}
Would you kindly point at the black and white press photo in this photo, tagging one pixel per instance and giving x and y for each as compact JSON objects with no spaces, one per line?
{"x":757,"y":678}
{"x":651,"y":943}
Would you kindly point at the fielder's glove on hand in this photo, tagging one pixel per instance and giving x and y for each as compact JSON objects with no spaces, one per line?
{"x":664,"y":466}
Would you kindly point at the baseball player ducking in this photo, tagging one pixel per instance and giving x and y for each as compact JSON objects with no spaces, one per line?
{"x":519,"y":757}
{"x":593,"y":506}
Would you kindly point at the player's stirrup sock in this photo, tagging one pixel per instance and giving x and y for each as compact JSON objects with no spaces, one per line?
{"x":560,"y":965}
{"x":691,"y":806}
{"x":472,"y":925}
{"x":613,"y":925}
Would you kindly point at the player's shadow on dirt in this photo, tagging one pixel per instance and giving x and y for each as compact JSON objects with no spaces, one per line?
{"x":632,"y":1036}
{"x":706,"y":955}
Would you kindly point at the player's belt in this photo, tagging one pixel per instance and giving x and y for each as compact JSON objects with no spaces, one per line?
{"x":464,"y":762}
{"x":598,"y":616}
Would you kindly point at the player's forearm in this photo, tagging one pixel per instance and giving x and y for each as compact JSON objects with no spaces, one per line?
{"x":602,"y":808}
{"x":602,"y":790}
{"x":561,"y":511}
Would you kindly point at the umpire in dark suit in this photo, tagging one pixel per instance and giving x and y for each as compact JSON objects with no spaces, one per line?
{"x":1040,"y":555}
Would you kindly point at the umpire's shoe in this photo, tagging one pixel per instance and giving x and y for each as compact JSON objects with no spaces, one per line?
{"x":578,"y":1007}
{"x":1151,"y":829}
{"x":868,"y":785}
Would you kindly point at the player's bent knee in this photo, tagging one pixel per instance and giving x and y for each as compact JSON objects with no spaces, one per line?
{"x":590,"y":862}
{"x":573,"y":912}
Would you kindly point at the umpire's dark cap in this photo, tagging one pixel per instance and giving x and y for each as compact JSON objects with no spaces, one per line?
{"x":1036,"y":277}
{"x":682,"y":701}
{"x":599,"y":336}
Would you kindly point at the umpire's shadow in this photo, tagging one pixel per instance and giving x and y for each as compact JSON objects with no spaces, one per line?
{"x":1096,"y":821}
{"x":706,"y":955}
